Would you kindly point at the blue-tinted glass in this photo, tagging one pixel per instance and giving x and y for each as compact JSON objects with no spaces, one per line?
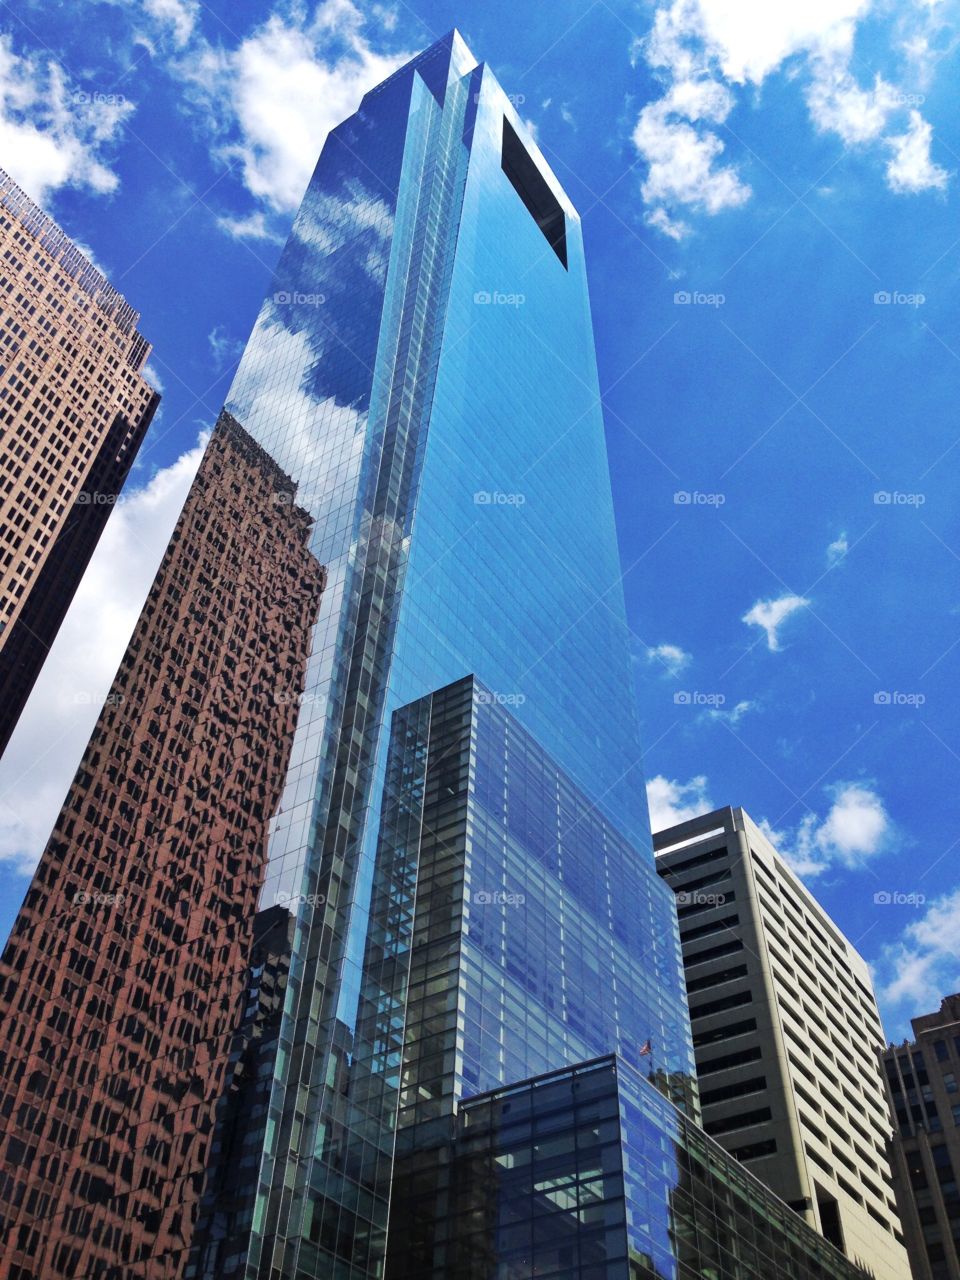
{"x":424,"y":370}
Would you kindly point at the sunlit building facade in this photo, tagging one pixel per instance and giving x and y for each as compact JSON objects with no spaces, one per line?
{"x":74,"y":409}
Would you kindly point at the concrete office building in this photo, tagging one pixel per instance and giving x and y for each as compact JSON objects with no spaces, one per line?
{"x":923,"y":1087}
{"x":74,"y":408}
{"x":786,"y":1034}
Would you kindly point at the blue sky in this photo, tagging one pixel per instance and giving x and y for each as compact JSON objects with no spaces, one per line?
{"x":770,"y":200}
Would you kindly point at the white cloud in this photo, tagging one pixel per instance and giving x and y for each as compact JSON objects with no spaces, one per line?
{"x":856,"y":828}
{"x":910,"y":168}
{"x":771,"y":614}
{"x":254,"y":226}
{"x":274,"y":98}
{"x":671,"y":656}
{"x":672,"y":802}
{"x":224,"y":349}
{"x":38,"y":766}
{"x":917,"y":971}
{"x":700,"y":49}
{"x":837,"y":549}
{"x":53,"y":134}
{"x":178,"y":17}
{"x":735,"y":714}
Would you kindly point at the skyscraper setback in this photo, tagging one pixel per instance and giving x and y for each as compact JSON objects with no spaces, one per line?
{"x":444,"y":788}
{"x":74,"y":408}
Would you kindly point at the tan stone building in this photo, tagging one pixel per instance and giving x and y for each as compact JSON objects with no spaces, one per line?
{"x":786,"y":1035}
{"x":923,"y":1087}
{"x":74,"y":408}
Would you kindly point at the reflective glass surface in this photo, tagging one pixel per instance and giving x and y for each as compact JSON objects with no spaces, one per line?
{"x":424,"y":370}
{"x":590,"y":1174}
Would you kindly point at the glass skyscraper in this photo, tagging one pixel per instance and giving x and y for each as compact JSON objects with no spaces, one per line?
{"x":456,"y":884}
{"x":424,"y":370}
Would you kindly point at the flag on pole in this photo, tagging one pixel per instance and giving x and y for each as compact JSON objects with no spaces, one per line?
{"x":646,"y":1049}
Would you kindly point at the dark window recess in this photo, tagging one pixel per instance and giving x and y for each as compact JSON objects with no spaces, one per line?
{"x":709,"y":1007}
{"x":756,"y":1084}
{"x":829,"y":1212}
{"x":743,"y":1121}
{"x":717,"y":1034}
{"x":716,"y":979}
{"x":754,"y":1150}
{"x":728,"y":1060}
{"x":704,"y":930}
{"x":534,"y":190}
{"x":713,"y":953}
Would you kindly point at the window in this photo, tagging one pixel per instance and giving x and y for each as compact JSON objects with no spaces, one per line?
{"x":534,"y":190}
{"x":743,"y":1121}
{"x":950,"y":1082}
{"x":740,"y":1089}
{"x":941,"y":1050}
{"x":754,"y":1150}
{"x":719,"y":1006}
{"x":728,"y":1060}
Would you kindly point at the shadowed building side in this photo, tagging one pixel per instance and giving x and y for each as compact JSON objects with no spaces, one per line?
{"x":125,"y":977}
